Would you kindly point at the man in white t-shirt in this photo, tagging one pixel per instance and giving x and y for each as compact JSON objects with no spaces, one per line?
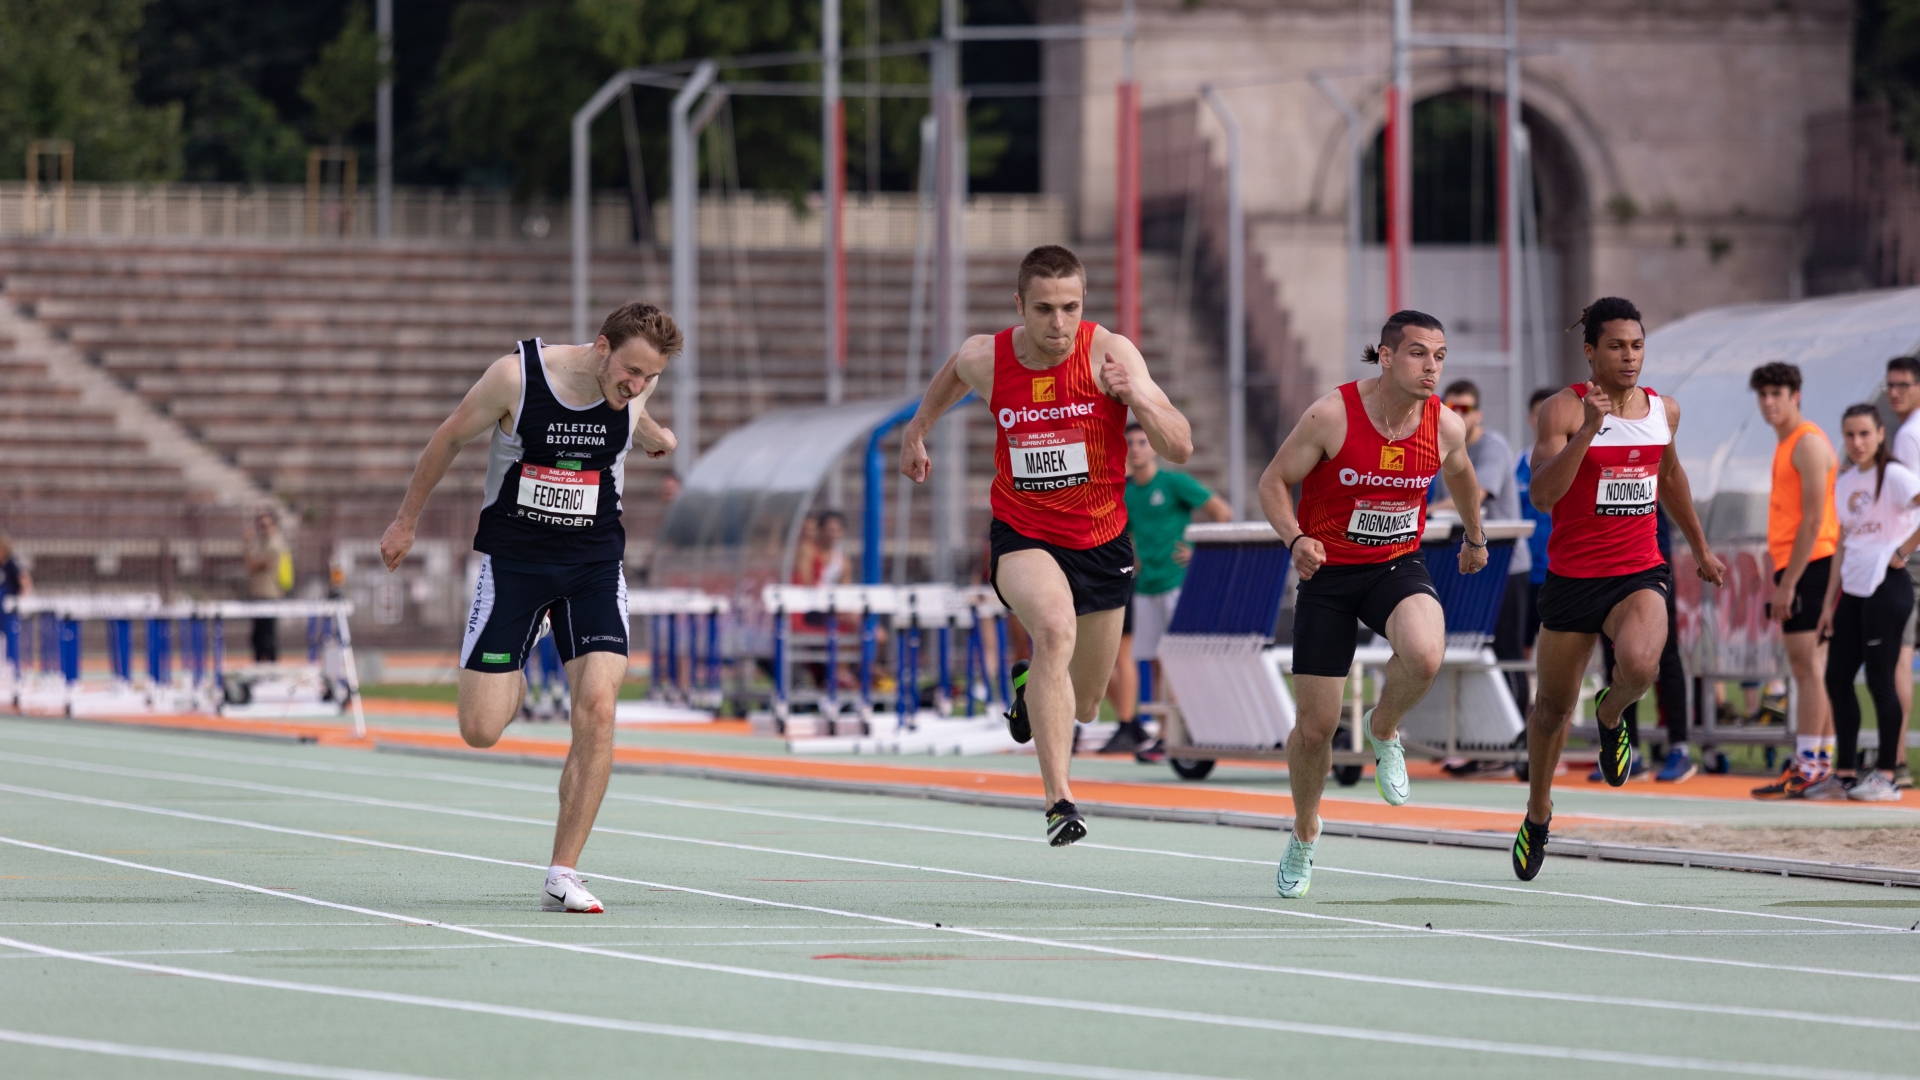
{"x":1903,"y":397}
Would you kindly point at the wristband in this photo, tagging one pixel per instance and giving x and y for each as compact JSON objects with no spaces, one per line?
{"x":1296,"y":540}
{"x":1467,"y":540}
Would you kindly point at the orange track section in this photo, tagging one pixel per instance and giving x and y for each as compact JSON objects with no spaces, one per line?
{"x":1021,"y":785}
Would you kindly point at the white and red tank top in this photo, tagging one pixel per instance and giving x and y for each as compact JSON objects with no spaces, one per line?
{"x":1368,"y":503}
{"x":1606,"y":524}
{"x":1060,"y":455}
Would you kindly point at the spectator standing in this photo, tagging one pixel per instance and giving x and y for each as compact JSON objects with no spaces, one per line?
{"x":1903,"y":397}
{"x":1878,"y":504}
{"x":13,"y":580}
{"x":1542,"y":523}
{"x":269,"y":565}
{"x":1802,"y":534}
{"x":1160,"y":505}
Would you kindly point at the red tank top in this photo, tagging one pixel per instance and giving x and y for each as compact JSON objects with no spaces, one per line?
{"x":1605,"y":525}
{"x":1060,"y":458}
{"x":1368,"y":503}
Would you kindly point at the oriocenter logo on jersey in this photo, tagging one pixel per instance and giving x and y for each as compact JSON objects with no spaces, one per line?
{"x":1354,"y":477}
{"x":1010,"y":417}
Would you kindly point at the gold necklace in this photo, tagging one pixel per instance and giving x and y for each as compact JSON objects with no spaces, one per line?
{"x":1413,"y":416}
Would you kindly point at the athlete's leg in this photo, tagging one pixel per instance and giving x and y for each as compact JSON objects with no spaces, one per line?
{"x":594,"y":679}
{"x":1807,"y":658}
{"x":1417,"y":630}
{"x":1560,"y":659}
{"x":1316,"y":703}
{"x":1123,"y":682}
{"x":487,"y":701}
{"x":1096,"y":652}
{"x":1036,"y":589}
{"x":1637,"y":625}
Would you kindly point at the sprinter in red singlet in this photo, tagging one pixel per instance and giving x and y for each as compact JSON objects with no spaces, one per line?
{"x":1059,"y":389}
{"x":1602,"y":466}
{"x":1364,"y":457}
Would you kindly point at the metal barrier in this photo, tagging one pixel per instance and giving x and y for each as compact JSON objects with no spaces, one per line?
{"x":1229,"y":680}
{"x":909,"y":612}
{"x":667,"y":612}
{"x":50,"y":625}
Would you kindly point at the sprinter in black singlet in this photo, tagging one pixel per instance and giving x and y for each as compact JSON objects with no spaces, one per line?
{"x":551,"y":543}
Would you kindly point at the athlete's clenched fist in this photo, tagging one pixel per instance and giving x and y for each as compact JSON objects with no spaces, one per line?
{"x":914,"y":462}
{"x":1308,"y":556}
{"x":1119,"y":381}
{"x":395,"y":543}
{"x":1472,"y":559}
{"x":1597,"y":404}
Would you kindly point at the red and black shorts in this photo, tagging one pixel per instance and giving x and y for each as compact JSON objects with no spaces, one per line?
{"x":1101,"y":577}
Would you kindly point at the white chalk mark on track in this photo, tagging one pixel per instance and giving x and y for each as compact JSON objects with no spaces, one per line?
{"x":241,"y":1062}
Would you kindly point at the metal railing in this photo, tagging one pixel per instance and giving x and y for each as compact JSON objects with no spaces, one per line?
{"x":292,"y":212}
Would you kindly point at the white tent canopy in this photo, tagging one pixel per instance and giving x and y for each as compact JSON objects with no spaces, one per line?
{"x":1841,"y":345}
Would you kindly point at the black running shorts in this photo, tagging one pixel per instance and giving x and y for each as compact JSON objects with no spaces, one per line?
{"x":1330,"y":602}
{"x":1808,"y":595}
{"x":586,"y":602}
{"x":1574,"y":605}
{"x":1101,"y":577}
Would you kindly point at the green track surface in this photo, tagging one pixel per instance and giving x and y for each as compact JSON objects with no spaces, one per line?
{"x":1405,"y":960}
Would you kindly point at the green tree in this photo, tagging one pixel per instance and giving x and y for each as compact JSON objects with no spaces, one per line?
{"x":66,"y":71}
{"x":237,"y":134}
{"x":341,"y":84}
{"x":1887,"y":61}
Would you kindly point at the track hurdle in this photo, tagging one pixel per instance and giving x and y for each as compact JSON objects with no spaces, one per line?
{"x":58,"y":622}
{"x":673,"y":616}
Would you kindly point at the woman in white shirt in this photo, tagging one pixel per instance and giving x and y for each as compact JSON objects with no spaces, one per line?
{"x":1878,"y":503}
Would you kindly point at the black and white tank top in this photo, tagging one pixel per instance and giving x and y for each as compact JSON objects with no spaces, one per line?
{"x":553,"y":486}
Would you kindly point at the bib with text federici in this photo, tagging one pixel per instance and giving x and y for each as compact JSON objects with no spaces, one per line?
{"x":559,"y":496}
{"x":1048,"y":460}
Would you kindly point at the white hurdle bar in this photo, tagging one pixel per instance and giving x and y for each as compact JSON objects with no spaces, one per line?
{"x":206,"y":635}
{"x":664,"y":608}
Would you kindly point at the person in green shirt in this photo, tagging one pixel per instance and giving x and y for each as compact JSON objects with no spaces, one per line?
{"x":1160,"y":505}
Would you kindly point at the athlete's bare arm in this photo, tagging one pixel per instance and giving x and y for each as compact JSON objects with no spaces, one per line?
{"x":969,"y":369}
{"x":490,"y":402}
{"x":1456,"y":468}
{"x":1122,"y":372}
{"x":1316,"y":438}
{"x":1811,"y":459}
{"x":1676,"y":496}
{"x":657,"y":441}
{"x":1567,"y":426}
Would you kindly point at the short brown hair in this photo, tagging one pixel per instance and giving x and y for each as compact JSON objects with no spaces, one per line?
{"x":1776,"y":373}
{"x":1050,"y":261}
{"x":639,"y":319}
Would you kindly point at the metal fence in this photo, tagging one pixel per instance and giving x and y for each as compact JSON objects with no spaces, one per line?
{"x":884,"y":221}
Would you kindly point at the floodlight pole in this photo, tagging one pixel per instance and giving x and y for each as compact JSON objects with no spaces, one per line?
{"x":1399,"y":163}
{"x":1236,"y":308}
{"x":383,"y":123}
{"x":1356,"y":193}
{"x":1126,"y":183}
{"x":833,"y":189}
{"x":686,"y":268}
{"x":1510,"y":273}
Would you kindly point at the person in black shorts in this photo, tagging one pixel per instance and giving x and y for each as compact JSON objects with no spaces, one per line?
{"x":562,"y":418}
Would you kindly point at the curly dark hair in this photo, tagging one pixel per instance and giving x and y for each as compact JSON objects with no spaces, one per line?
{"x":1776,"y":373}
{"x":1603,"y":311}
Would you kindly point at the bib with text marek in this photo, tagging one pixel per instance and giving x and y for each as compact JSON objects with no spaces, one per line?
{"x":1048,"y":460}
{"x":559,"y":496}
{"x":1379,"y":522}
{"x":1627,"y":491}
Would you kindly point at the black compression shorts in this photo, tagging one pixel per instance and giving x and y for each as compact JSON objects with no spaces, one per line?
{"x":1329,"y":603}
{"x":1808,"y":595}
{"x":1101,"y":577}
{"x":586,"y":602}
{"x":1572,"y":605}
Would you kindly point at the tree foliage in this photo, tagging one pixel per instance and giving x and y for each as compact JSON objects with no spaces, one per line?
{"x":341,"y":83}
{"x":1887,"y":61}
{"x":67,"y":72}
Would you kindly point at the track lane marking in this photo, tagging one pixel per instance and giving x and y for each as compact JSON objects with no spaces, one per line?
{"x":1418,"y":984}
{"x":509,"y":785}
{"x":364,"y":800}
{"x":242,"y":1062}
{"x":1771,"y":1069}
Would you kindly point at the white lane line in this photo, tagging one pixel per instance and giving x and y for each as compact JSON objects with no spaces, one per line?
{"x":362,"y":800}
{"x":510,"y":785}
{"x":1275,"y":969}
{"x":242,"y":1062}
{"x":1664,"y":1061}
{"x":714,"y":1035}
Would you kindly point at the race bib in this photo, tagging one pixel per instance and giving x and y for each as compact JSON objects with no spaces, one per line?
{"x":1627,"y":491}
{"x":1048,"y":460}
{"x":1380,"y":522}
{"x":559,"y":496}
